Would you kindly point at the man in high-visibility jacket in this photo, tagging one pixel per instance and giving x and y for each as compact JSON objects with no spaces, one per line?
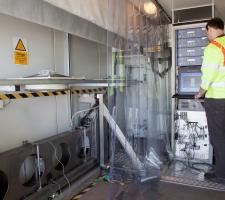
{"x":213,"y":88}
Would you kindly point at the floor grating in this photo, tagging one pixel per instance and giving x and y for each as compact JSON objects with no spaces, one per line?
{"x":179,"y":174}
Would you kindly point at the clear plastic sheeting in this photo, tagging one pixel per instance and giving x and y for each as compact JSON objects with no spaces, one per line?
{"x":140,"y":104}
{"x":91,"y":10}
{"x":95,"y":11}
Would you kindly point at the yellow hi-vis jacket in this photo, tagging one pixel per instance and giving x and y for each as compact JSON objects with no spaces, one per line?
{"x":213,"y":69}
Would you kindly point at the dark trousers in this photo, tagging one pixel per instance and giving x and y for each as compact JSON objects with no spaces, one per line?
{"x":215,"y":113}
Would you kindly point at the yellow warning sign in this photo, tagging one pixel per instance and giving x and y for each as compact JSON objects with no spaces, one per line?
{"x":20,"y":52}
{"x":20,"y":46}
{"x":20,"y":58}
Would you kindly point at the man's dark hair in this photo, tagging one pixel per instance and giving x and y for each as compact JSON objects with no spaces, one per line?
{"x":215,"y":23}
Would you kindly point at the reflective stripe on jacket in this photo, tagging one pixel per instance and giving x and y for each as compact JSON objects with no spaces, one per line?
{"x":213,"y":69}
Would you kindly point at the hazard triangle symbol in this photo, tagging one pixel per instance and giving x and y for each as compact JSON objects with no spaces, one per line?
{"x":20,"y":46}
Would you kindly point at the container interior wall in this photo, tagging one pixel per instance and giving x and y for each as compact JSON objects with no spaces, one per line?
{"x":34,"y":118}
{"x":87,"y":58}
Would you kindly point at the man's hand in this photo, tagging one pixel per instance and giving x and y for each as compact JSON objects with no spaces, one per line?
{"x":200,"y":94}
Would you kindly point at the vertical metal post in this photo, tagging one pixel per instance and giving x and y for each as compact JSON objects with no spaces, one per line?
{"x":38,"y":166}
{"x":172,"y":2}
{"x":101,"y":127}
{"x":95,"y":136}
{"x":173,"y":85}
{"x":85,"y":144}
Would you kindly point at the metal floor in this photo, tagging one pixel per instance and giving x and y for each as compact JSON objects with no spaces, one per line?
{"x":150,"y":191}
{"x":178,"y":173}
{"x":177,"y":182}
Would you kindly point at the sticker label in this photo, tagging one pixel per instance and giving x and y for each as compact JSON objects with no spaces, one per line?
{"x":20,"y":51}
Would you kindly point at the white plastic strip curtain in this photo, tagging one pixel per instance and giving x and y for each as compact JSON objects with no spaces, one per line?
{"x":140,"y":103}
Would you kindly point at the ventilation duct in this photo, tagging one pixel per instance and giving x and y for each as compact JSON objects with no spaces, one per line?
{"x":193,"y":14}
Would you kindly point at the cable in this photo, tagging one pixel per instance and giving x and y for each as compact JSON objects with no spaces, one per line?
{"x":195,"y":132}
{"x":56,"y":115}
{"x":204,"y":164}
{"x":81,"y":111}
{"x":183,"y":163}
{"x":63,"y":168}
{"x":60,"y":191}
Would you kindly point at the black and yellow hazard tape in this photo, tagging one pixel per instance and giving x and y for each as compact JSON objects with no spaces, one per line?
{"x":87,"y":189}
{"x":24,"y":95}
{"x":89,"y":91}
{"x":19,"y":95}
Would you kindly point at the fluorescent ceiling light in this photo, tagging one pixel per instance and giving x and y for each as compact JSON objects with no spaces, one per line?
{"x":150,"y":8}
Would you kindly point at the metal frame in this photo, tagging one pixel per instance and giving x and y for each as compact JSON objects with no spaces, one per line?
{"x":175,"y":72}
{"x":120,"y":136}
{"x":104,"y":113}
{"x":71,"y":82}
{"x":11,"y":163}
{"x":101,"y":127}
{"x":38,"y":81}
{"x":74,"y":177}
{"x":76,"y":167}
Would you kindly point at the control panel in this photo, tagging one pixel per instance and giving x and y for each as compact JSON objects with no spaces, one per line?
{"x":192,"y":137}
